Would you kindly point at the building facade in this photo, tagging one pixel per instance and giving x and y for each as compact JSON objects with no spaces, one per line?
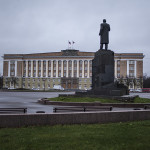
{"x":68,"y":69}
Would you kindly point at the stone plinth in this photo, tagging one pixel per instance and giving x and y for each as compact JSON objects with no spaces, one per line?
{"x":103,"y":75}
{"x":103,"y":69}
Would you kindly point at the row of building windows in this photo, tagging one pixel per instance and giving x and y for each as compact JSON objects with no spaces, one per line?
{"x":53,"y":68}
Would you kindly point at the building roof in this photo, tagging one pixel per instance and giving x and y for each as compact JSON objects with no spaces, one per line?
{"x":69,"y":53}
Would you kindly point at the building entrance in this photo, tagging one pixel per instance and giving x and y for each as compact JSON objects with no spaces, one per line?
{"x":70,"y":83}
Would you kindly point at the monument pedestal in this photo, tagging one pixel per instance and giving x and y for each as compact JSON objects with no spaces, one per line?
{"x":103,"y":75}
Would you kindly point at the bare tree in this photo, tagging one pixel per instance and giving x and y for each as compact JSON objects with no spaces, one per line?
{"x":146,"y":81}
{"x":134,"y":82}
{"x":1,"y":82}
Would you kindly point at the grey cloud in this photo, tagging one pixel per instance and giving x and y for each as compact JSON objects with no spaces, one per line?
{"x":29,"y":26}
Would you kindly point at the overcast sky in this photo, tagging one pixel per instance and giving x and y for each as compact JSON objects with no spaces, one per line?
{"x":35,"y":26}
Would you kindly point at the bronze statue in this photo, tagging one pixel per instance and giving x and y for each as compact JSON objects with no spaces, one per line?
{"x":104,"y":34}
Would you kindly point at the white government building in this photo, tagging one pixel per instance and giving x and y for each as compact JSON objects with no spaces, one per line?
{"x":68,"y":69}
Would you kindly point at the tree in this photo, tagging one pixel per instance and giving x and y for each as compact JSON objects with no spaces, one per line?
{"x":121,"y":80}
{"x":12,"y":81}
{"x":134,"y":82}
{"x":141,"y":82}
{"x":128,"y":81}
{"x":146,"y":81}
{"x":1,"y":82}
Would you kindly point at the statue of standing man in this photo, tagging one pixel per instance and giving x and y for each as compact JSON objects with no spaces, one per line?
{"x":104,"y":34}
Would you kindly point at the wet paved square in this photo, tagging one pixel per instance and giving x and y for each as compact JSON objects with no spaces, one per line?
{"x":29,"y":100}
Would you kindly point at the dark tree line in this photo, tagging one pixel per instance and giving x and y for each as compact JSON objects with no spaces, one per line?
{"x":1,"y":82}
{"x":146,"y":81}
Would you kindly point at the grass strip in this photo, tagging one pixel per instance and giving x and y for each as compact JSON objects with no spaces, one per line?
{"x":90,"y":99}
{"x":114,"y":136}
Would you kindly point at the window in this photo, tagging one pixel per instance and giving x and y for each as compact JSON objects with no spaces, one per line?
{"x":131,"y":74}
{"x":75,"y":74}
{"x":80,"y":62}
{"x":85,"y":80}
{"x":131,"y":68}
{"x":118,"y":68}
{"x":69,"y":74}
{"x":118,"y":62}
{"x":70,"y":62}
{"x":64,"y":74}
{"x":12,"y":73}
{"x":12,"y":62}
{"x":59,"y":74}
{"x":118,"y":75}
{"x":131,"y":62}
{"x":75,"y":62}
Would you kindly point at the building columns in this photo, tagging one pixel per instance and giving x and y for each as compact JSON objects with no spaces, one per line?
{"x":135,"y":68}
{"x":46,"y":68}
{"x":62,"y":68}
{"x":127,"y":68}
{"x":51,"y":68}
{"x":31,"y":68}
{"x":41,"y":68}
{"x":8,"y":68}
{"x":56,"y":68}
{"x":77,"y":68}
{"x":16,"y":68}
{"x":83,"y":69}
{"x":88,"y":69}
{"x":115,"y":68}
{"x":36,"y":68}
{"x":72,"y":68}
{"x":67,"y":70}
{"x":26,"y":68}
